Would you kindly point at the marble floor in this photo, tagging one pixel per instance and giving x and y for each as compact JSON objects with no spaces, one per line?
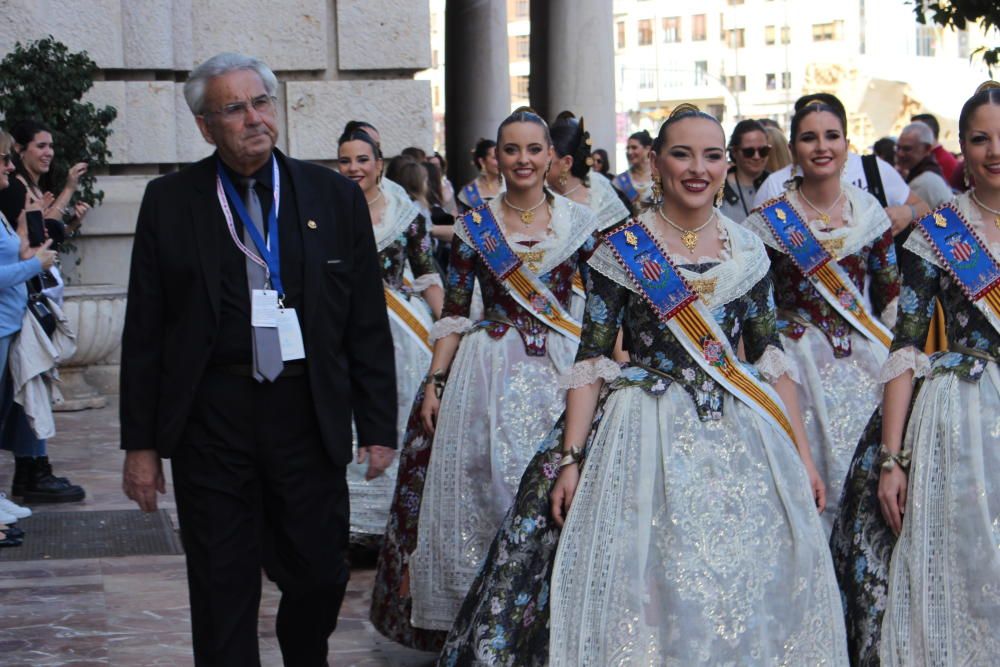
{"x":133,"y":611}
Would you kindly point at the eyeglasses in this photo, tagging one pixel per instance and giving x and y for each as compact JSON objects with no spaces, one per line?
{"x":762,"y":151}
{"x":262,"y":104}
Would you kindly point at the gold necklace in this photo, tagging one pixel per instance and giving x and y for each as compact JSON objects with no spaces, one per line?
{"x":527,"y":214}
{"x":993,"y":211}
{"x":824,"y":216}
{"x":689,"y":237}
{"x":377,"y":197}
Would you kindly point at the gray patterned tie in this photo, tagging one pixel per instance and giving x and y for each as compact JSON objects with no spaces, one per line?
{"x":267,"y":364}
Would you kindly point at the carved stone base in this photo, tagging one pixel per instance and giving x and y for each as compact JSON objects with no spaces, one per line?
{"x":77,"y":394}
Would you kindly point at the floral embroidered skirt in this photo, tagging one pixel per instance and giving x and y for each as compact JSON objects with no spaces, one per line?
{"x":944,"y":577}
{"x":688,"y":542}
{"x":836,"y":396}
{"x":498,"y":405}
{"x":390,"y":611}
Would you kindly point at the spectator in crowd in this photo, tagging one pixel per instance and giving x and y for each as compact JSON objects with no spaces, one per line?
{"x":602,"y":165}
{"x":781,"y":155}
{"x":418,"y":154}
{"x":885,"y":149}
{"x":945,"y":160}
{"x":748,"y":153}
{"x":18,"y":263}
{"x":447,"y":187}
{"x":441,"y":221}
{"x":915,"y":157}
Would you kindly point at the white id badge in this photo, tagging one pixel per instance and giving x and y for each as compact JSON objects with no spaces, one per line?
{"x":264,"y":308}
{"x":290,"y":335}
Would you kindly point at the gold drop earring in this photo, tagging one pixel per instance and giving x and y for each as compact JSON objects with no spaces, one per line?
{"x":719,"y":195}
{"x":656,"y":191}
{"x":563,"y":179}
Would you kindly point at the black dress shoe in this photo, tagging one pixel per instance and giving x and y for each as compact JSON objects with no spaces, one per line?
{"x":9,"y":541}
{"x":13,"y":531}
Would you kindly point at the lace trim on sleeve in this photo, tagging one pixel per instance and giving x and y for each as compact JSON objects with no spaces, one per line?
{"x":449,"y":325}
{"x":584,"y":372}
{"x":906,"y":359}
{"x":890,"y":313}
{"x":421,"y":283}
{"x":774,"y":363}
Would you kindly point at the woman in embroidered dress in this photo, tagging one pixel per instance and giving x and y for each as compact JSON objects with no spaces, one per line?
{"x":942,"y":606}
{"x":488,"y":184}
{"x":636,"y":182}
{"x":692,"y":534}
{"x":570,"y":177}
{"x":501,"y":395}
{"x":401,"y":238}
{"x":836,"y":363}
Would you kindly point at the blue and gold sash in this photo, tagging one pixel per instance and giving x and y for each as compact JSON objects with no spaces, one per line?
{"x":472,"y":196}
{"x":623,"y":181}
{"x":966,"y":259}
{"x":819,"y":267}
{"x":407,"y":314}
{"x":679,"y":307}
{"x":524,"y":286}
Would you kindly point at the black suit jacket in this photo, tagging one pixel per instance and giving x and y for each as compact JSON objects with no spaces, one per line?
{"x":171,"y":320}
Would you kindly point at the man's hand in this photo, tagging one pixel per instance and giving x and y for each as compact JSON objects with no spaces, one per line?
{"x":142,"y":477}
{"x":379,"y":458}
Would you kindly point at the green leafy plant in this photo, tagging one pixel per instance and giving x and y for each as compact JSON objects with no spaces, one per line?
{"x":959,"y":14}
{"x":45,"y":81}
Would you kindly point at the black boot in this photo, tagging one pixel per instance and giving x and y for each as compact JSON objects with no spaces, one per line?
{"x":35,"y":483}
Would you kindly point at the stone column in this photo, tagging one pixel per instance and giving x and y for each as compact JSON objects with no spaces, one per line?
{"x":477,"y":78}
{"x":581,"y":66}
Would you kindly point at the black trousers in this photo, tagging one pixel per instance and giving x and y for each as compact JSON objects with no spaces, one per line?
{"x":255,"y":488}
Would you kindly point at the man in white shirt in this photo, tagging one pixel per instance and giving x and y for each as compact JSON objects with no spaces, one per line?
{"x":902,"y":205}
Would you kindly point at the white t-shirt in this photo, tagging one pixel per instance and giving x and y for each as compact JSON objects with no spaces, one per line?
{"x":896,"y":189}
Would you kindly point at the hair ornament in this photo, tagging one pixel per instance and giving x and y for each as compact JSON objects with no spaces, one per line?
{"x":683,"y":107}
{"x":814,"y":103}
{"x":987,"y":85}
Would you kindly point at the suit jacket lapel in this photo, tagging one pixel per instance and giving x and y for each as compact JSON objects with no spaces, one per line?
{"x":315,"y":223}
{"x":206,"y":218}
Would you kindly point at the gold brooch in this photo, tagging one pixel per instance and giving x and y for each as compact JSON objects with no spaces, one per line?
{"x":704,"y":286}
{"x":476,"y":218}
{"x":940,"y":220}
{"x":631,"y":239}
{"x":781,"y":214}
{"x":833,"y":246}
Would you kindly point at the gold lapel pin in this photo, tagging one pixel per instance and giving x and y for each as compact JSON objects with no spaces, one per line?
{"x":311,"y":224}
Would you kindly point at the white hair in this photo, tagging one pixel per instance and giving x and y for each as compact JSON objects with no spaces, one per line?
{"x":925,"y":134}
{"x":217,"y":65}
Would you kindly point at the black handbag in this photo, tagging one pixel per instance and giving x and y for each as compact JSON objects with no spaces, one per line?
{"x":38,"y":305}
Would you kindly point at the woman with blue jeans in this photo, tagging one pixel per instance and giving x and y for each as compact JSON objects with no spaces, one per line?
{"x":18,"y":263}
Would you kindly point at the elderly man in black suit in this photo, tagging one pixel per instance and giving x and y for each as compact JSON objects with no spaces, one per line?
{"x":255,"y":332}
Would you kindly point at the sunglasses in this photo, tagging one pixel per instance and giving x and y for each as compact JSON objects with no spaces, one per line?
{"x":763,"y":151}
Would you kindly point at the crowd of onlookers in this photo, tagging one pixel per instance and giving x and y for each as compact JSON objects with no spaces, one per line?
{"x":36,"y":216}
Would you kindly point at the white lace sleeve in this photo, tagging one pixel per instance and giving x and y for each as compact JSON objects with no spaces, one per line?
{"x":774,"y":363}
{"x":890,"y":313}
{"x":449,"y":325}
{"x":421,"y":283}
{"x":907,"y":359}
{"x":584,"y":372}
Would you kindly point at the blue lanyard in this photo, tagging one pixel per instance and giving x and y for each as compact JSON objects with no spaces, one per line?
{"x":269,"y":250}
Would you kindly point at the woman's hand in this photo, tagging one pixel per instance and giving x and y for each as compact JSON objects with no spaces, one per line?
{"x":892,"y":496}
{"x":74,"y":175}
{"x":80,"y":210}
{"x":429,"y":409}
{"x":45,"y":256}
{"x":563,"y":492}
{"x":817,"y":486}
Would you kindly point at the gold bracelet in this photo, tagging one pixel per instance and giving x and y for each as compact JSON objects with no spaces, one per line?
{"x":574,"y":455}
{"x":887,"y":460}
{"x":439,"y":378}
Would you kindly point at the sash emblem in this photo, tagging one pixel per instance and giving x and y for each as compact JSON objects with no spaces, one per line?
{"x":797,"y":238}
{"x":651,"y":269}
{"x":714,"y":351}
{"x":490,"y":242}
{"x":961,"y":250}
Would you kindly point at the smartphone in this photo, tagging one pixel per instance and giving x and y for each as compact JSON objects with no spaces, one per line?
{"x":36,"y":228}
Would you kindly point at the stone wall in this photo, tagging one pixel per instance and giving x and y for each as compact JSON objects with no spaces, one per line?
{"x":336,"y":60}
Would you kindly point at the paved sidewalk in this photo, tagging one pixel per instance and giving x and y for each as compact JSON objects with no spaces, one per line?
{"x":133,"y":611}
